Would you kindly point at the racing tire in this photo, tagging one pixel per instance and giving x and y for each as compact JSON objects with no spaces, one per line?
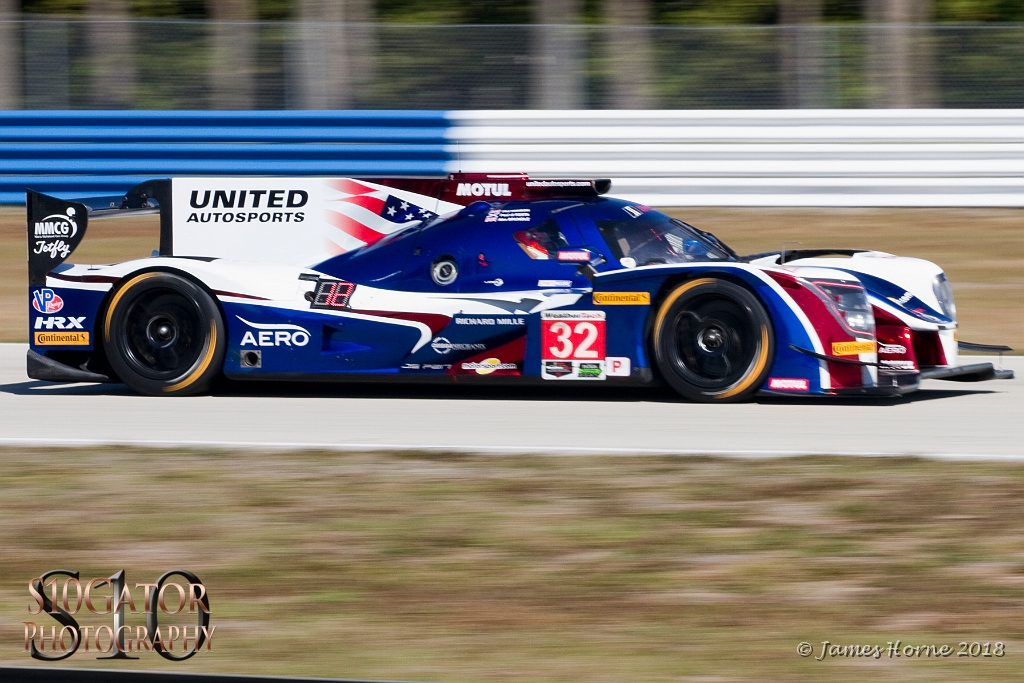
{"x":164,"y":335}
{"x":713,"y":341}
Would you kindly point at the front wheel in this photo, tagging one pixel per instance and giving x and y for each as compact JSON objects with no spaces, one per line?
{"x":164,"y":335}
{"x":713,"y":341}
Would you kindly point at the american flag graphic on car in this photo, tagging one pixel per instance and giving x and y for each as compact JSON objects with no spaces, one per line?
{"x":365,"y":212}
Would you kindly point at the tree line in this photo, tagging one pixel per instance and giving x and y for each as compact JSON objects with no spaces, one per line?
{"x":645,"y":12}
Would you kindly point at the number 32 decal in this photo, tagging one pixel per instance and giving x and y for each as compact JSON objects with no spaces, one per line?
{"x":575,"y":341}
{"x":572,"y":344}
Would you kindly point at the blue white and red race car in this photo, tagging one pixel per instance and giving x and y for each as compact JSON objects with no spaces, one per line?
{"x":472,"y":277}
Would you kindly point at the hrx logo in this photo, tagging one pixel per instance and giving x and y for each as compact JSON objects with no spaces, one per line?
{"x":59,"y":322}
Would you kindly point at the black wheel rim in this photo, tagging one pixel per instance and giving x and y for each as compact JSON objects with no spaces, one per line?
{"x":163,"y":333}
{"x":714,"y":342}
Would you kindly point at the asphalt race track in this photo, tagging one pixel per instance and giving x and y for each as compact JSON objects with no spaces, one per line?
{"x":945,"y":419}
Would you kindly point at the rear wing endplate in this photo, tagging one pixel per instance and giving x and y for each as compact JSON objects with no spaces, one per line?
{"x":56,"y":226}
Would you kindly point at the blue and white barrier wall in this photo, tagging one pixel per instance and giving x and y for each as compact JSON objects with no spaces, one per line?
{"x":916,"y":157}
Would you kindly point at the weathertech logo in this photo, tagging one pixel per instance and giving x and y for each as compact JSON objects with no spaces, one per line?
{"x":622,"y":299}
{"x":780,"y":384}
{"x":62,"y":338}
{"x":483,"y":190}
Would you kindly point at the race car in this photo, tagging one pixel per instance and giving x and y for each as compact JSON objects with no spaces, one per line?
{"x":473,"y":277}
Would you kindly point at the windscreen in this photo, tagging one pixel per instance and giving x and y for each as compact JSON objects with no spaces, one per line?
{"x":652,"y":238}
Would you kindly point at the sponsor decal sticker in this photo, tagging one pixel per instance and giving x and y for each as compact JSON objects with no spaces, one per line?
{"x":852,"y":348}
{"x":892,"y":349}
{"x":617,"y":366}
{"x":59,"y":322}
{"x":51,"y":232}
{"x":46,"y":301}
{"x":460,"y":320}
{"x":253,"y":199}
{"x":61,"y":338}
{"x":574,"y":338}
{"x":622,"y":298}
{"x":574,"y":255}
{"x":907,"y":296}
{"x":247,"y":217}
{"x":274,"y":334}
{"x":278,"y":206}
{"x":554,"y":283}
{"x":898,"y":364}
{"x":57,"y":225}
{"x":788,"y":384}
{"x":482,"y":190}
{"x":558,"y":183}
{"x":558,"y":368}
{"x":442,"y":346}
{"x":489,"y":365}
{"x":507,"y":216}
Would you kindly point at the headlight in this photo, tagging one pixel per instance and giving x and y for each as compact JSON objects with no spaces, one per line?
{"x":848,"y":303}
{"x":944,"y":293}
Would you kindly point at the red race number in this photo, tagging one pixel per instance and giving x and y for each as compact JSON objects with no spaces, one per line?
{"x":572,"y":335}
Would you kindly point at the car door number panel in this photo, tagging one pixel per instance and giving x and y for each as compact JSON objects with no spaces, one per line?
{"x":572,"y":344}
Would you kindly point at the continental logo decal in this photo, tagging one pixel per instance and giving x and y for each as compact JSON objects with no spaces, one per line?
{"x":62,"y":338}
{"x":622,"y":299}
{"x":852,"y":348}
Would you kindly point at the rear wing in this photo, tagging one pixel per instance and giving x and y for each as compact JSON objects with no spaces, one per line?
{"x":56,"y":226}
{"x":300,"y":221}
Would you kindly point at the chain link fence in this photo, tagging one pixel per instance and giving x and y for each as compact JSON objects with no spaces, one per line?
{"x":150,"y":64}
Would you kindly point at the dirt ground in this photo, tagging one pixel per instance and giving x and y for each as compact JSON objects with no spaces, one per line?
{"x":982,"y":251}
{"x":405,"y":566}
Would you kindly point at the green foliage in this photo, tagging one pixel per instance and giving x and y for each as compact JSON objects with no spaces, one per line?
{"x":664,"y":12}
{"x":266,"y":10}
{"x":53,"y":6}
{"x":715,"y":12}
{"x":979,"y":10}
{"x":455,"y":11}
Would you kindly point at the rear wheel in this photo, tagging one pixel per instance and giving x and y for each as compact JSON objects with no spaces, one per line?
{"x":164,"y":335}
{"x":713,"y":341}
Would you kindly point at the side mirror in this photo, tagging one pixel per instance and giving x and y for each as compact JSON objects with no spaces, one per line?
{"x":585,"y":260}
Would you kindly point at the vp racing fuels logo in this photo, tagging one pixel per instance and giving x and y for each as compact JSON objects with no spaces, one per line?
{"x":46,"y":301}
{"x":274,"y":334}
{"x":53,"y":234}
